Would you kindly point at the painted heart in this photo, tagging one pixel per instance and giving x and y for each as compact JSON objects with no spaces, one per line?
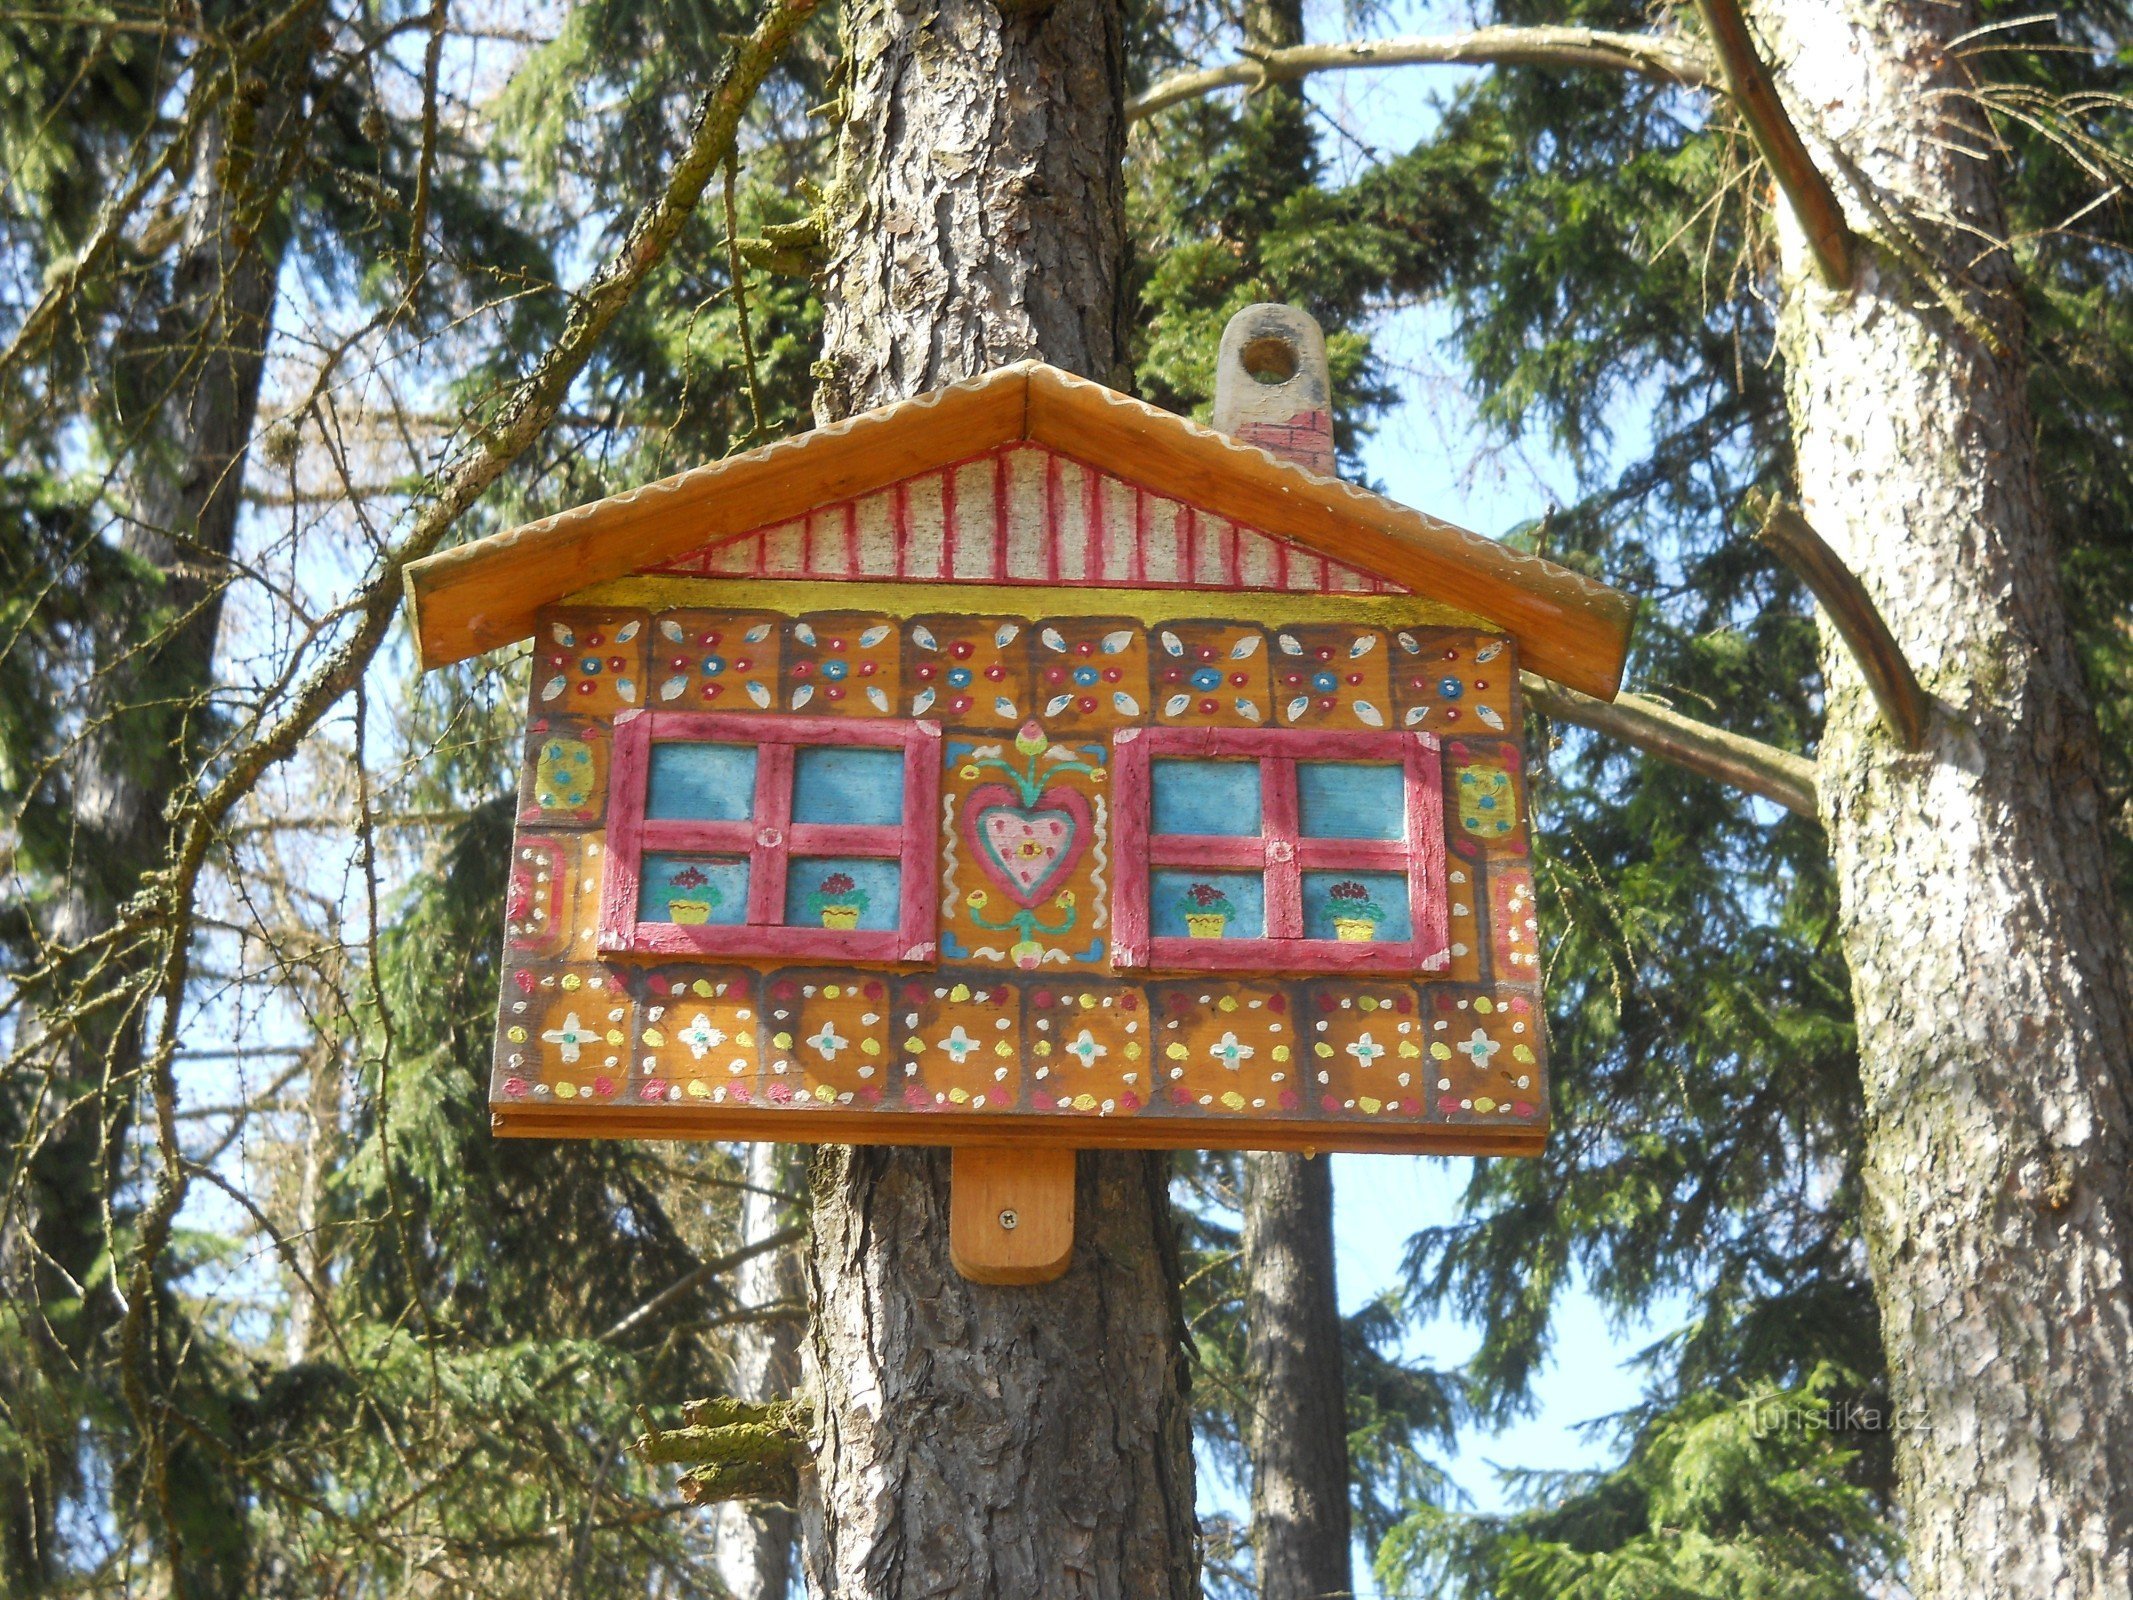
{"x":1026,"y":850}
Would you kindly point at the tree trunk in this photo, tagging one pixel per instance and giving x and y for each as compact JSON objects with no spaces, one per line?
{"x":755,"y":1542}
{"x":986,"y":1441}
{"x":1995,"y":1030}
{"x":1298,"y":1433}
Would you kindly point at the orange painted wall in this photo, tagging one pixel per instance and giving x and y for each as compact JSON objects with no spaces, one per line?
{"x":1065,"y":1049}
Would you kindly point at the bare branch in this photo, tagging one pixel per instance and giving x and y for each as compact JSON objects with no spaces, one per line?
{"x":741,"y":1450}
{"x":1749,"y":85}
{"x":701,"y":1274}
{"x":1904,"y":706}
{"x":1731,"y":758}
{"x":1668,"y":60}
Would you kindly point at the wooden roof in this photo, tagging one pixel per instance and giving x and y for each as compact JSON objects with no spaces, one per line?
{"x":483,"y":595}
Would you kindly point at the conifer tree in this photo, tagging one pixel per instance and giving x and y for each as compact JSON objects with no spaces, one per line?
{"x":377,"y":1352}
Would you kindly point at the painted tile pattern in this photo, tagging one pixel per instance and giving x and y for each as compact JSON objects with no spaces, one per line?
{"x":1025,"y":1015}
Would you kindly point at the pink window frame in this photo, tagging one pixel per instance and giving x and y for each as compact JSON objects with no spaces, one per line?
{"x":770,"y":839}
{"x":1280,"y":852}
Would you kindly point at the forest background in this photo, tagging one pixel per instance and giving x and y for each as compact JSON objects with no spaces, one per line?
{"x":277,"y":283}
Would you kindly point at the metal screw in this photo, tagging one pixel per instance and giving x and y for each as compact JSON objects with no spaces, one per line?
{"x":1008,"y":1220}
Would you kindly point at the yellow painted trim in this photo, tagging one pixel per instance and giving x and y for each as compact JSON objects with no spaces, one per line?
{"x":801,"y":597}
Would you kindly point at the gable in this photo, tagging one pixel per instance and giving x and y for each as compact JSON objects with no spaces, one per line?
{"x":1025,"y":514}
{"x":487,"y":594}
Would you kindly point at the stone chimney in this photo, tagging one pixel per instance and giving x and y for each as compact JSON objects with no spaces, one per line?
{"x":1271,"y":387}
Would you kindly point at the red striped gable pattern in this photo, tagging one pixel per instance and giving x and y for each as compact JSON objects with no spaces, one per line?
{"x":1025,"y":515}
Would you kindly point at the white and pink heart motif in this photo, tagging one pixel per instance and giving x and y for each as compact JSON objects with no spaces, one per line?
{"x":1026,"y":850}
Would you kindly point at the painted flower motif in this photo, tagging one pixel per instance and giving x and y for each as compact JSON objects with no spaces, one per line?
{"x":837,"y":891}
{"x":573,"y":1036}
{"x":958,"y":677}
{"x":1349,"y":901}
{"x":958,"y":1045}
{"x":1205,"y":897}
{"x":1231,"y":1051}
{"x":1325,"y":682}
{"x":827,"y":1042}
{"x":1085,"y":1049}
{"x":835,"y":670}
{"x":1204,"y":678}
{"x":1450,"y":688}
{"x":1479,"y":1048}
{"x":1087,"y":677}
{"x":1366,"y":1050}
{"x":714,"y":665}
{"x":700,"y":1036}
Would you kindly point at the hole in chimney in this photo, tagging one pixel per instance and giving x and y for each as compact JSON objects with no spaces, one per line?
{"x":1271,"y":359}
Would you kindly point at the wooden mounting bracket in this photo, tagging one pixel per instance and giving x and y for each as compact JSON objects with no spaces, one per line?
{"x":1010,"y":1213}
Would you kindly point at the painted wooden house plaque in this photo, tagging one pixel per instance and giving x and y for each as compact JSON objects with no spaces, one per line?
{"x":1024,"y":764}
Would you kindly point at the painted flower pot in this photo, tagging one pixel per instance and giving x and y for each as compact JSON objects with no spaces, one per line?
{"x":1354,"y":930}
{"x":1205,"y":924}
{"x":689,"y":913}
{"x":841,"y":917}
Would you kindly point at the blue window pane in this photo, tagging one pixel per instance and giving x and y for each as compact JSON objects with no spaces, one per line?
{"x":1218,"y":797}
{"x":701,"y":782}
{"x":1207,"y":905}
{"x":843,"y":893}
{"x":1365,"y":906}
{"x":693,"y":890}
{"x":1351,"y":800}
{"x":843,"y":784}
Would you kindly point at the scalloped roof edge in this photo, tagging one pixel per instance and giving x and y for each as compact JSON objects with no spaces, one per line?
{"x":484,"y":595}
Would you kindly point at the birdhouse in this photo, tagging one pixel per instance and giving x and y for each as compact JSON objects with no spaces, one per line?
{"x":1023,"y":768}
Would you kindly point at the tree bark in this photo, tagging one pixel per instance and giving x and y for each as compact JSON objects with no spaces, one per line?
{"x":1991,"y":989}
{"x":986,"y":1441}
{"x":978,"y":204}
{"x":755,"y":1542}
{"x":1298,"y":1434}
